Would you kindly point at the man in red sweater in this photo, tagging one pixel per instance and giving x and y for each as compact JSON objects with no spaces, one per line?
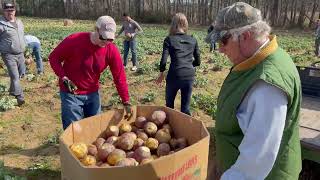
{"x":78,"y":61}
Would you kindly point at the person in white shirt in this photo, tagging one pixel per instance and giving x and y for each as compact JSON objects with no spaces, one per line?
{"x":34,"y":44}
{"x":257,"y":119}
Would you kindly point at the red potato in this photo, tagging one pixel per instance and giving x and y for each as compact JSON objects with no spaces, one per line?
{"x":130,"y":154}
{"x":99,"y":142}
{"x":158,"y":117}
{"x":163,"y":149}
{"x":112,"y":139}
{"x":182,"y":143}
{"x":127,"y":162}
{"x":142,"y":135}
{"x":141,"y":153}
{"x":168,"y":128}
{"x":163,"y":136}
{"x":115,"y":156}
{"x":104,"y":151}
{"x":92,"y":150}
{"x":111,"y":131}
{"x":125,"y":143}
{"x":140,"y":121}
{"x":150,"y":128}
{"x":137,"y":143}
{"x":131,"y":135}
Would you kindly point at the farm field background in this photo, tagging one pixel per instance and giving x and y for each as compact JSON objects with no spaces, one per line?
{"x":29,"y":135}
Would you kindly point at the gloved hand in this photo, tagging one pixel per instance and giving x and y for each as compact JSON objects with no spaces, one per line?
{"x":69,"y":84}
{"x":128,"y":110}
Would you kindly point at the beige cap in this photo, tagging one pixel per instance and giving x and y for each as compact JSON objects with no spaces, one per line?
{"x":106,"y":27}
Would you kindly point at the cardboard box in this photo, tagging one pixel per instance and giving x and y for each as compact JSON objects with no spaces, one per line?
{"x":187,"y":164}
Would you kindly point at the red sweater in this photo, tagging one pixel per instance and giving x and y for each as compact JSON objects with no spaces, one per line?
{"x":83,"y":62}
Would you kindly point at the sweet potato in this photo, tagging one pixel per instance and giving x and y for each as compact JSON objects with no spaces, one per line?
{"x":158,"y":117}
{"x":141,"y":153}
{"x":104,"y":151}
{"x":150,"y":128}
{"x":99,"y":142}
{"x":163,"y":136}
{"x":111,"y":131}
{"x":163,"y":149}
{"x":127,"y":162}
{"x":112,"y":139}
{"x":115,"y":156}
{"x":125,"y":143}
{"x":92,"y":150}
{"x":89,"y":160}
{"x":137,"y":143}
{"x":142,"y":135}
{"x":152,"y":143}
{"x":80,"y":150}
{"x":140,"y":121}
{"x":125,"y":128}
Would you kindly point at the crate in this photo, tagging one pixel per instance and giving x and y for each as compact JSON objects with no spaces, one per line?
{"x":310,"y":80}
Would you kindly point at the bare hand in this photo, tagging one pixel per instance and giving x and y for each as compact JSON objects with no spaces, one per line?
{"x":160,"y":79}
{"x":128,"y":35}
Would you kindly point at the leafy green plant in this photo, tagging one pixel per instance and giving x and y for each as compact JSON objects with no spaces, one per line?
{"x":53,"y":139}
{"x":145,"y":69}
{"x":6,"y":175}
{"x":3,"y":88}
{"x":105,"y":75}
{"x":148,"y":97}
{"x":207,"y":103}
{"x":7,"y":103}
{"x":201,"y":82}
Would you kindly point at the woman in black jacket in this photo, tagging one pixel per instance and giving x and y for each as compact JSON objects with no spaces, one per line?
{"x":185,"y":55}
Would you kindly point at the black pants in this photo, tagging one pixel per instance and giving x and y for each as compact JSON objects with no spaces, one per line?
{"x":172,"y":87}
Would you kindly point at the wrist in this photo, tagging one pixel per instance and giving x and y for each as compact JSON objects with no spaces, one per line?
{"x":126,"y":103}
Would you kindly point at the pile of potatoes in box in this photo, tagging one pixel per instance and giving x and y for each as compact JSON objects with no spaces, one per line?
{"x":131,"y":144}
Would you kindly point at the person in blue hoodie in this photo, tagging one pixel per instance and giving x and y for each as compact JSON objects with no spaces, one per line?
{"x":12,"y":47}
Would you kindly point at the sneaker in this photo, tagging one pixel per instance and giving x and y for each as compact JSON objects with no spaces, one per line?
{"x":21,"y":102}
{"x":134,"y":68}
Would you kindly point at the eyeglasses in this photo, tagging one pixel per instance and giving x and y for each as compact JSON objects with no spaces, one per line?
{"x":224,"y":40}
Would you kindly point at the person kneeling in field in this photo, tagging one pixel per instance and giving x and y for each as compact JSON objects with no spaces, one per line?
{"x":78,"y":61}
{"x":257,"y":120}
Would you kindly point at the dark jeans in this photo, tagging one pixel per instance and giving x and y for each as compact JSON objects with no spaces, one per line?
{"x":131,"y":44}
{"x":36,"y":51}
{"x":75,"y":107}
{"x":16,"y":69}
{"x":172,"y":87}
{"x":213,"y":46}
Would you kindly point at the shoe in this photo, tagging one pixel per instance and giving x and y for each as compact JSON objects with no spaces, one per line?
{"x":134,"y":68}
{"x":21,"y":102}
{"x":40,"y":73}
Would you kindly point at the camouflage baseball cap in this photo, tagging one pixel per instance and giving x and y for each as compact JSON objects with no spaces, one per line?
{"x":237,"y":15}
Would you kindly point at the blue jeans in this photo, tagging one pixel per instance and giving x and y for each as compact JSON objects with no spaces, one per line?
{"x":131,"y":44}
{"x":36,"y":51}
{"x":75,"y":107}
{"x":172,"y":87}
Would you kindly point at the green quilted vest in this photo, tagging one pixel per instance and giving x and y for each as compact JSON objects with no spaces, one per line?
{"x":278,"y":69}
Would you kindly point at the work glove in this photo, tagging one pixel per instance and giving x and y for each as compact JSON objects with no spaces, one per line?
{"x":69,"y":85}
{"x":128,"y":110}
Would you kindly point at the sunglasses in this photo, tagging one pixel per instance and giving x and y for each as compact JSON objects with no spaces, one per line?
{"x":224,"y":40}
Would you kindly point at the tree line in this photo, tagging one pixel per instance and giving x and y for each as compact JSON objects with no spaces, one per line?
{"x":279,"y":13}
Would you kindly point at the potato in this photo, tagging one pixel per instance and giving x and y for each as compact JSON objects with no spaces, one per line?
{"x":140,"y":121}
{"x":92,"y":150}
{"x":125,"y":128}
{"x":163,"y":149}
{"x":150,"y":128}
{"x":131,"y":135}
{"x":112,"y":139}
{"x":115,"y":156}
{"x":127,"y":162}
{"x":111,"y":131}
{"x":173,"y":143}
{"x":130,"y":154}
{"x":141,"y":153}
{"x":89,"y":160}
{"x":134,"y":128}
{"x":163,"y":136}
{"x":137,"y":143}
{"x":152,"y":143}
{"x":104,"y":165}
{"x":182,"y":143}
{"x":168,"y":128}
{"x":146,"y":161}
{"x":104,"y":151}
{"x":125,"y":143}
{"x":158,"y":117}
{"x":99,"y":142}
{"x":80,"y":150}
{"x":142,"y":135}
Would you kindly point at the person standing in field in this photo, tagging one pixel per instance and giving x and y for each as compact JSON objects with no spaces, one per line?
{"x":35,"y":45}
{"x":131,"y":29}
{"x":78,"y":61}
{"x":185,"y":56}
{"x":212,"y":44}
{"x":257,"y":119}
{"x":12,"y":47}
{"x":317,"y":40}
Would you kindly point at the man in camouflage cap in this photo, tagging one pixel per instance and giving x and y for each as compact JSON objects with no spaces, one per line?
{"x":257,"y":134}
